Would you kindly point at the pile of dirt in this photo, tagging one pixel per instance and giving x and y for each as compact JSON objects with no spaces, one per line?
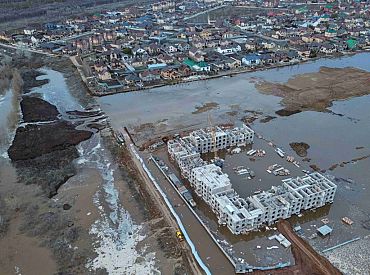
{"x":36,"y":109}
{"x":300,"y":148}
{"x":84,"y":114}
{"x":316,"y":91}
{"x":35,"y":140}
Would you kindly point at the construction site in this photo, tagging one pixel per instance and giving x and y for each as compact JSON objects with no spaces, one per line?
{"x":239,"y":214}
{"x":204,"y":165}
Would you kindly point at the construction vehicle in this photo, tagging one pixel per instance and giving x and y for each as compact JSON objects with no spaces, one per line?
{"x":179,"y":235}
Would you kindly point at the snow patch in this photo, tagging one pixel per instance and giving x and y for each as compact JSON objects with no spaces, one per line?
{"x":115,"y":233}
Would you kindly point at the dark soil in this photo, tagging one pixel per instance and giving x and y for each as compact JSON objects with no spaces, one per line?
{"x":33,"y":141}
{"x":267,"y":119}
{"x":84,"y":114}
{"x":49,"y":171}
{"x":29,"y":78}
{"x":36,"y":109}
{"x":315,"y":167}
{"x":287,"y":112}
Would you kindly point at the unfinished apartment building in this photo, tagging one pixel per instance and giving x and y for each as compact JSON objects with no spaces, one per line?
{"x":186,"y":151}
{"x":241,"y":215}
{"x":208,"y":140}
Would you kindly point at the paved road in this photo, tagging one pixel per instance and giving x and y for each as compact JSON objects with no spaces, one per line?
{"x":207,"y":249}
{"x":26,"y":49}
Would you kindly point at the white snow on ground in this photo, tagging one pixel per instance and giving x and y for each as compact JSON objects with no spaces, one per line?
{"x":117,"y":255}
{"x":115,"y":233}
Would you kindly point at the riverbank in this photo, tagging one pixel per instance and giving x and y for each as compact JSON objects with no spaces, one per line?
{"x":99,"y":221}
{"x":200,"y":77}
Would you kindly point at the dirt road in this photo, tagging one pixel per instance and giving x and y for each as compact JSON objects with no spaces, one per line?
{"x":307,"y":259}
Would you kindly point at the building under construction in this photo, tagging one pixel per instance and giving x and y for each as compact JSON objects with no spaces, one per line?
{"x":241,"y":215}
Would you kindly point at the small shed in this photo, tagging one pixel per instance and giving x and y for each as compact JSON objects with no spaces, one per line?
{"x":324,"y":230}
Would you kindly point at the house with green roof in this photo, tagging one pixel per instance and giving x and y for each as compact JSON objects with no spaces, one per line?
{"x":351,"y":44}
{"x":200,"y":66}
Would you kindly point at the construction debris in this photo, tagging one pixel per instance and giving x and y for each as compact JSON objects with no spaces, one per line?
{"x":325,"y":221}
{"x":281,"y":239}
{"x":277,"y":170}
{"x":347,"y":220}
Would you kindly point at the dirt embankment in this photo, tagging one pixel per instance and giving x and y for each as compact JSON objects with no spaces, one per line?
{"x":316,"y":91}
{"x":307,"y":260}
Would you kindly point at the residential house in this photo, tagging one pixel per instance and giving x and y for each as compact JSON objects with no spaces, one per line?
{"x":303,"y":51}
{"x":251,"y":59}
{"x":150,"y":75}
{"x":231,"y":63}
{"x":165,"y":58}
{"x":229,"y":49}
{"x":328,"y":48}
{"x":201,"y":66}
{"x":170,"y":74}
{"x":169,"y":49}
{"x":153,"y":49}
{"x":268,"y":44}
{"x":185,"y":71}
{"x":266,"y":58}
{"x":183,"y":47}
{"x":330,"y":33}
{"x":198,"y":43}
{"x":196,"y":54}
{"x":132,"y":79}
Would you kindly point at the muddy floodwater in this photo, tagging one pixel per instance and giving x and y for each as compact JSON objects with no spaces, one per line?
{"x":103,"y":206}
{"x":339,"y":139}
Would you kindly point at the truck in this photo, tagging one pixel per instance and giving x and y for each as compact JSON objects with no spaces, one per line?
{"x":179,"y":235}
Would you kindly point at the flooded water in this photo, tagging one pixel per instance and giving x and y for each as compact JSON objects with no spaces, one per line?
{"x":56,"y":91}
{"x":336,"y":137}
{"x":115,"y":233}
{"x":5,"y":133}
{"x":174,"y":106}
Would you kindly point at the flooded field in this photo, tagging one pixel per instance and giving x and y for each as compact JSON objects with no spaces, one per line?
{"x":116,"y":233}
{"x":340,"y":136}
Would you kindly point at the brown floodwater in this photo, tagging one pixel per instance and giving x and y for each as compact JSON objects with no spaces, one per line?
{"x":332,"y":136}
